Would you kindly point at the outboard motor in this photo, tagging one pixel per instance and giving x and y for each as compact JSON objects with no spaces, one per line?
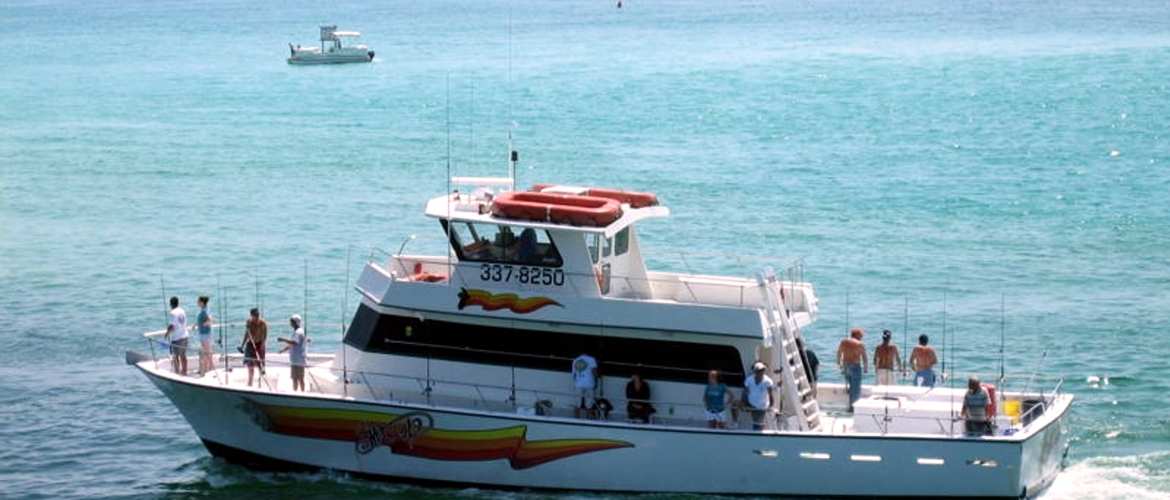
{"x":371,"y":54}
{"x":291,"y":51}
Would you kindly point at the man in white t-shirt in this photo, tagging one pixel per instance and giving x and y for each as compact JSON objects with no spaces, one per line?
{"x":757,"y":394}
{"x":585,"y":381}
{"x":177,"y":336}
{"x":295,"y":346}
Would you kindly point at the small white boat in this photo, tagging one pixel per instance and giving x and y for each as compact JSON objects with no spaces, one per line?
{"x":455,"y":370}
{"x":332,"y":50}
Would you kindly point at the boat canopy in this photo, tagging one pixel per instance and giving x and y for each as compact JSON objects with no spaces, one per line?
{"x":346,"y":33}
{"x":476,"y":207}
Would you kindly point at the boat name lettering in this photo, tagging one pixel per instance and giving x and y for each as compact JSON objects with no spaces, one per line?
{"x":526,"y":275}
{"x":401,"y":431}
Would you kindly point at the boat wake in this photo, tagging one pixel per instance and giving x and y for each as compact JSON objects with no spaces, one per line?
{"x":1130,"y":477}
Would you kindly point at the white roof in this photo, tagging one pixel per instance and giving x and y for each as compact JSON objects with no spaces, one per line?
{"x":346,"y":33}
{"x":438,"y":208}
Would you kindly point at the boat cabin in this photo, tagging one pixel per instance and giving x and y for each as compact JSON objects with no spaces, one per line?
{"x":534,"y":278}
{"x":552,"y":236}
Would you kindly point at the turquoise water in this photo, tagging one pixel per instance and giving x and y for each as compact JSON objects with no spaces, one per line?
{"x":904,"y":149}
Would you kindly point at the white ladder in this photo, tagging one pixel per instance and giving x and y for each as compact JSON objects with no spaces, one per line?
{"x":796,"y":388}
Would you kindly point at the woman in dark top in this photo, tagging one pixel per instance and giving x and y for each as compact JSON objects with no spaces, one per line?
{"x":638,"y":395}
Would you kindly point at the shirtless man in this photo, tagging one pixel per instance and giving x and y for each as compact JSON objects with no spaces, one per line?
{"x":885,"y":358}
{"x":853,"y":362}
{"x":922,"y":361}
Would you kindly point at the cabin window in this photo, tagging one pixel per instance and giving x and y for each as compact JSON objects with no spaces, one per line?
{"x":600,"y":247}
{"x":542,"y":350}
{"x":621,"y":242}
{"x":480,"y":242}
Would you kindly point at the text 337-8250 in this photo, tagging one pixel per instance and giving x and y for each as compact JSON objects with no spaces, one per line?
{"x":526,"y":275}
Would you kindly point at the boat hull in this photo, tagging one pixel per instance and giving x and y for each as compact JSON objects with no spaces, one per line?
{"x":306,"y":59}
{"x":430,"y":444}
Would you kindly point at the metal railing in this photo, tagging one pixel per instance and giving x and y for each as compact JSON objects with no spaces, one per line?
{"x":680,"y":287}
{"x":425,"y":393}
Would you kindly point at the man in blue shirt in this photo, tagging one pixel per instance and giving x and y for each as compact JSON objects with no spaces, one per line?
{"x":203,"y":323}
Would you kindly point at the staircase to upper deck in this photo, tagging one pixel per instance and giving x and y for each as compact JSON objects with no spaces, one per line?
{"x":783,"y":329}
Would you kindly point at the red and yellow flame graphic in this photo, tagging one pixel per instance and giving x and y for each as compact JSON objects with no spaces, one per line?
{"x":413,"y":434}
{"x":495,"y":301}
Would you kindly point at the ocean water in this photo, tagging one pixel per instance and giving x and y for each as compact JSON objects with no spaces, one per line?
{"x":981,"y":150}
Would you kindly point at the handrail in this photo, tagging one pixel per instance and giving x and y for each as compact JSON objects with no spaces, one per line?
{"x":549,"y":357}
{"x":687,"y":287}
{"x":777,"y":411}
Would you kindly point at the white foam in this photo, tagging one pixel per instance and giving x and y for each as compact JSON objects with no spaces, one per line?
{"x":1103,"y":478}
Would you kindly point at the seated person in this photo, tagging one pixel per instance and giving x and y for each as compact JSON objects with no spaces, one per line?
{"x":504,"y":246}
{"x":638,"y":397}
{"x":527,"y":251}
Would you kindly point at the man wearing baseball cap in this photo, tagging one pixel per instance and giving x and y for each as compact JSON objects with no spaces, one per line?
{"x":296,"y":352}
{"x":757,"y":393}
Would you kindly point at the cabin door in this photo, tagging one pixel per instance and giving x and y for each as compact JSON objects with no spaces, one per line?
{"x":601,"y":251}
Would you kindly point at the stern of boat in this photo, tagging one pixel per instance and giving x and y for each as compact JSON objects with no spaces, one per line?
{"x":1044,"y":452}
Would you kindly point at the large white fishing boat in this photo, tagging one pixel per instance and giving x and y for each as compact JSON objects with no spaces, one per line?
{"x":333,"y":49}
{"x":455,"y":370}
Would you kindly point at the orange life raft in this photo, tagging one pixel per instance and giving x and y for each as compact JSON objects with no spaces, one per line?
{"x":558,"y":208}
{"x":635,"y":199}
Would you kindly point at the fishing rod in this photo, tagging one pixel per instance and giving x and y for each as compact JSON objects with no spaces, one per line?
{"x":219,"y":312}
{"x":305,"y":318}
{"x":1002,"y":329}
{"x":846,"y":311}
{"x":256,"y":276}
{"x":905,"y":328}
{"x":166,"y":310}
{"x":344,"y":309}
{"x":448,"y":221}
{"x":944,"y":334}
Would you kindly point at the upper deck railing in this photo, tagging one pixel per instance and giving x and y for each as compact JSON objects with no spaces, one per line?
{"x":688,"y":288}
